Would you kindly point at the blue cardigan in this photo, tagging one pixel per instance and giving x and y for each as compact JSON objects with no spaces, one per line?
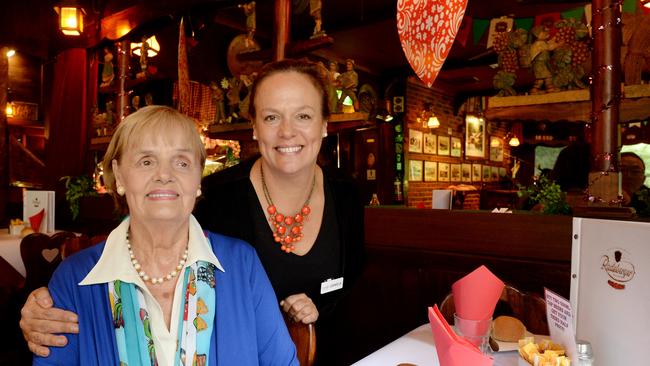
{"x":248,"y":330}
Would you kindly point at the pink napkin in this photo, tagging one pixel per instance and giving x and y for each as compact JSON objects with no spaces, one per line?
{"x":452,"y":349}
{"x":35,"y":220}
{"x":476,"y":295}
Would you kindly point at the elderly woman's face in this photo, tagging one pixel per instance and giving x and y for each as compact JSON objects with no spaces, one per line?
{"x":289,"y":123}
{"x":161,"y":175}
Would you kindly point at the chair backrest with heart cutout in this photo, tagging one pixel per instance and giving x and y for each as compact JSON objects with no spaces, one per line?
{"x":41,"y":255}
{"x":72,"y":245}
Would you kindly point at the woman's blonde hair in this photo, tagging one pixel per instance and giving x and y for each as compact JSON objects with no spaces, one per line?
{"x":135,"y":127}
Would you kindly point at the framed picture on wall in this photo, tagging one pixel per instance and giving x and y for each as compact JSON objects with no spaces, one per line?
{"x":415,"y":141}
{"x":496,"y":148}
{"x":415,"y":170}
{"x":443,"y":145}
{"x":430,"y":143}
{"x":466,"y":172}
{"x":456,"y":147}
{"x":474,"y":137}
{"x":494,"y":173}
{"x":486,"y":173}
{"x":443,"y":172}
{"x":476,"y":172}
{"x":430,"y":171}
{"x":454,"y":172}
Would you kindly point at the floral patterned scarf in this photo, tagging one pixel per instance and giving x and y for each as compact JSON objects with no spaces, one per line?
{"x":133,"y":327}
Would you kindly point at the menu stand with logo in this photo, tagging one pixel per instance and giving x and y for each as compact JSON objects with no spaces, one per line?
{"x":610,"y":289}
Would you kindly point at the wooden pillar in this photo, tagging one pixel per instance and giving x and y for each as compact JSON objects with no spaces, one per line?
{"x":282,"y":28}
{"x":4,"y":136}
{"x":66,"y":122}
{"x":606,"y":94}
{"x":123,"y":66}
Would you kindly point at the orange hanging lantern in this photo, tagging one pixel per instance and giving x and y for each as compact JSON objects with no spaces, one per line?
{"x":71,"y":18}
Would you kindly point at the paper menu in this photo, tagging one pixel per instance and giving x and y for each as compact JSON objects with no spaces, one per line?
{"x":560,"y":322}
{"x":441,"y":199}
{"x":36,"y":201}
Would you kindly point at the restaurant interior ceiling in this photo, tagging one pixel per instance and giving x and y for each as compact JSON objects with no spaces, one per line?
{"x":363,"y":30}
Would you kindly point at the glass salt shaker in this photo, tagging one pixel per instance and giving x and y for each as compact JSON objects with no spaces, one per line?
{"x":585,"y":354}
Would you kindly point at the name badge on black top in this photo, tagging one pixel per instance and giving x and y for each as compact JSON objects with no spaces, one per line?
{"x":330,"y":285}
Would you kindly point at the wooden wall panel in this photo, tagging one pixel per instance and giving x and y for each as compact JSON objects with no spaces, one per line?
{"x":414,"y":256}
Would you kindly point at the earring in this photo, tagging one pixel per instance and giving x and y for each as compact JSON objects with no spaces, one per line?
{"x":255,"y":137}
{"x":198,"y":192}
{"x":325,"y":134}
{"x":121,"y":190}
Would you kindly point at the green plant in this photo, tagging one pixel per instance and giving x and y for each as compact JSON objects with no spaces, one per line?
{"x":77,"y":188}
{"x":547,"y":193}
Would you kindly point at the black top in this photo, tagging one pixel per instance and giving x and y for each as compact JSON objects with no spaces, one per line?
{"x":229,"y":206}
{"x":292,"y":274}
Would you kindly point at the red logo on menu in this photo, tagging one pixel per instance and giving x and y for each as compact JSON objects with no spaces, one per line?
{"x":617,"y":268}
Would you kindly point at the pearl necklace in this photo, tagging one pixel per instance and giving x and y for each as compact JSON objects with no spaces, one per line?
{"x":287,"y":229}
{"x":154,"y":280}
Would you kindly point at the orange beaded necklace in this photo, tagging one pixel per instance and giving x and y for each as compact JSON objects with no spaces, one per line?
{"x":287,"y":229}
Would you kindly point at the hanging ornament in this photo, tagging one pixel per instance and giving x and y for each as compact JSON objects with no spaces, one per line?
{"x":427,"y":29}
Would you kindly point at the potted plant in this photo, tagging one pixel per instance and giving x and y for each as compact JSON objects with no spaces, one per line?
{"x":547,"y":194}
{"x":76,"y":188}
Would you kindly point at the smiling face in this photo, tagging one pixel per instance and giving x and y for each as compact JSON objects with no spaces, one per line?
{"x":161,"y":175}
{"x":289,"y":122}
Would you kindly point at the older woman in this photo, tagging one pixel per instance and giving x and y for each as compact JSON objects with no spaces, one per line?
{"x":161,"y":290}
{"x":306,"y":224}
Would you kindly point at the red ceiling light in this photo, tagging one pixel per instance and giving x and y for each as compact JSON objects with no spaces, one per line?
{"x":71,"y":18}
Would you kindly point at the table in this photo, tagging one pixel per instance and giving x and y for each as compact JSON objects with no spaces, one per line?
{"x":416,"y":347}
{"x":10,"y":250}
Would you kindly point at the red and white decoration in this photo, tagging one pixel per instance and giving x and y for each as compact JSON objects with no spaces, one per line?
{"x":427,"y":29}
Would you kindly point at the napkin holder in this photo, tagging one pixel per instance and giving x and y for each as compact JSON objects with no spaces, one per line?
{"x":15,"y":229}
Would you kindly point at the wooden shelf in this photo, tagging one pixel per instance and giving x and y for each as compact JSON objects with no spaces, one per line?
{"x":570,"y":106}
{"x":100,"y":143}
{"x":129,"y":84}
{"x":101,"y":140}
{"x":294,"y":49}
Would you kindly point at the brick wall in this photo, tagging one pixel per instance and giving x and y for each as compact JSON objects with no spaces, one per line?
{"x":418,"y":191}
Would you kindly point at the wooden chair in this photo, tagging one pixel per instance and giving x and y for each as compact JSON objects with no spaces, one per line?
{"x":73,"y":244}
{"x":304,"y":337}
{"x":41,"y":255}
{"x":530,"y":308}
{"x":98,"y":239}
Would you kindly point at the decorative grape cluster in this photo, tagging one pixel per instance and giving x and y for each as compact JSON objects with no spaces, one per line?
{"x":566,"y":35}
{"x":573,"y":34}
{"x":500,"y":42}
{"x":581,"y":52}
{"x":508,"y":59}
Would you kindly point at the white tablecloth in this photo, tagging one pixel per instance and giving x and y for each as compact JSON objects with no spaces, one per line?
{"x":416,"y":347}
{"x":10,"y":250}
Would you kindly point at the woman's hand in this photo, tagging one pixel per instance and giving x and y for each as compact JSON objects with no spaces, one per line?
{"x":300,"y":308}
{"x":39,"y":321}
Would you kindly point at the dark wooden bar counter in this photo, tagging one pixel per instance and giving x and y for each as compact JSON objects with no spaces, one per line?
{"x":414,"y":256}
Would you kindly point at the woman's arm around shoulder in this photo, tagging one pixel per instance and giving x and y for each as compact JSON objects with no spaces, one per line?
{"x":62,"y":286}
